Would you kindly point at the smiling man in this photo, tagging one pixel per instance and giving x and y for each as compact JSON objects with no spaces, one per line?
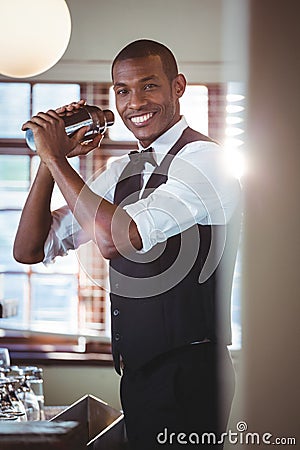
{"x":167,"y":218}
{"x":147,"y":93}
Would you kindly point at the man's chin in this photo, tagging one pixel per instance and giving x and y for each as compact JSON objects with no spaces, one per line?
{"x":142,"y":134}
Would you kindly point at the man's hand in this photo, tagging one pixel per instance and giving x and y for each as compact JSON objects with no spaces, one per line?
{"x":51,"y":139}
{"x":80,"y":148}
{"x":68,"y":110}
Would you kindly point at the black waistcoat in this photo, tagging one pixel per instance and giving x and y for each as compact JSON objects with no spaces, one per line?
{"x":177,"y":293}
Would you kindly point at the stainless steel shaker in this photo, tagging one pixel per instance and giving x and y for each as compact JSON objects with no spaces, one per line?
{"x":88,"y":115}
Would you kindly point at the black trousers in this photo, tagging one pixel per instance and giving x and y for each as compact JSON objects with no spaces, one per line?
{"x":180,"y":400}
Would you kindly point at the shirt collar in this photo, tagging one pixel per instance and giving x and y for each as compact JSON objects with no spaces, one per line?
{"x":165,"y":142}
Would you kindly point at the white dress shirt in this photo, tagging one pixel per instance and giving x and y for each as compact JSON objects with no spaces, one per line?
{"x":200,"y":189}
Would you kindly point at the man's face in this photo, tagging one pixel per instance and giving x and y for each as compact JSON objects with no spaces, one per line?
{"x":145,"y":98}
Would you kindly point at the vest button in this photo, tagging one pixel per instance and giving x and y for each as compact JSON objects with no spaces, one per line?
{"x":117,"y":337}
{"x":116,"y":312}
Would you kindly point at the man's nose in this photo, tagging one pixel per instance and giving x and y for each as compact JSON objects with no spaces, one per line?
{"x":137,"y":100}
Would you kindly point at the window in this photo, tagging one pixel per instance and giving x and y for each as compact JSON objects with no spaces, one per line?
{"x":65,"y":298}
{"x":15,"y":109}
{"x":59,"y":299}
{"x":47,"y":299}
{"x":194,"y":106}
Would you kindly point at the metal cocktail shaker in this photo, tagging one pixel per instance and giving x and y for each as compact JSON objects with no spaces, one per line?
{"x":88,"y":115}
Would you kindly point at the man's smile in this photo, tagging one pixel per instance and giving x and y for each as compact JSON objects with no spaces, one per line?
{"x":141,"y":119}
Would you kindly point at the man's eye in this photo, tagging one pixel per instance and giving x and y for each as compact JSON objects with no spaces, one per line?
{"x":150,"y":86}
{"x":122,"y":92}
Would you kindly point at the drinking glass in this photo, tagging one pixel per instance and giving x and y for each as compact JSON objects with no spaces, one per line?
{"x":4,"y":357}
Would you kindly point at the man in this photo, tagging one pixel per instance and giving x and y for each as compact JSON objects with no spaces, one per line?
{"x":171,"y":238}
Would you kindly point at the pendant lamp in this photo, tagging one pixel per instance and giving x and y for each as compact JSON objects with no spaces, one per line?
{"x":34,"y":35}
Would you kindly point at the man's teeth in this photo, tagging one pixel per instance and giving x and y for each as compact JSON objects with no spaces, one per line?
{"x":141,"y":119}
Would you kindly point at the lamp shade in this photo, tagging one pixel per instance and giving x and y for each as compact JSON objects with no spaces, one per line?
{"x":34,"y":35}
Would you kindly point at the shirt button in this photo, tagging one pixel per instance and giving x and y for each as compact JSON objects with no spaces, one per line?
{"x":117,"y":337}
{"x":117,"y":285}
{"x":116,"y":312}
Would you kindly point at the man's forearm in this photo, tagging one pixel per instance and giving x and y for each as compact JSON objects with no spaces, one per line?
{"x":109,"y":226}
{"x":35,"y":220}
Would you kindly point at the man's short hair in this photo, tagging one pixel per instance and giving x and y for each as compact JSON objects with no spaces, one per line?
{"x":147,"y":47}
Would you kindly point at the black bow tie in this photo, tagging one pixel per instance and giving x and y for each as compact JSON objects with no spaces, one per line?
{"x":139,"y":159}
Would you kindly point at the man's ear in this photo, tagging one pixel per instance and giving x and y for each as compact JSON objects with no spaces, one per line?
{"x":179,"y":84}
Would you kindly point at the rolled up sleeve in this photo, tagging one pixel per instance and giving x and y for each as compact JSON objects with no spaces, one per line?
{"x":65,"y":234}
